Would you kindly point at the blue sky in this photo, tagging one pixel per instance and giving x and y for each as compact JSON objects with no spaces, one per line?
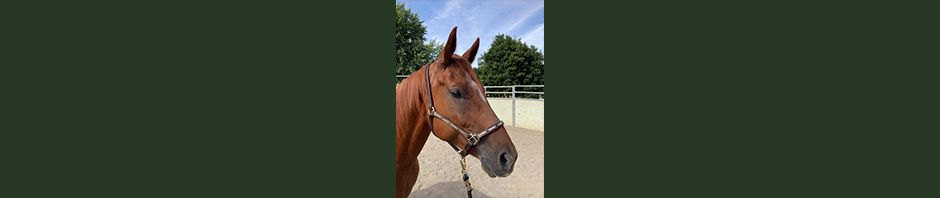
{"x":484,"y":19}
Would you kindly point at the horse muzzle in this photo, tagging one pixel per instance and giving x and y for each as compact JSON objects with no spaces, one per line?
{"x":500,"y":164}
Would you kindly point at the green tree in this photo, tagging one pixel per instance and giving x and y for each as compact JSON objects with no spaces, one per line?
{"x":511,"y":62}
{"x":411,"y":51}
{"x":434,"y":48}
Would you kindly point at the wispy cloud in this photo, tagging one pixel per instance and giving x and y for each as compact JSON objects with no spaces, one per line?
{"x":482,"y":19}
{"x":448,"y":10}
{"x":531,"y":13}
{"x":536,"y":37}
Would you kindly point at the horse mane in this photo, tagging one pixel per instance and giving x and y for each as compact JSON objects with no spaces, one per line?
{"x":410,"y":97}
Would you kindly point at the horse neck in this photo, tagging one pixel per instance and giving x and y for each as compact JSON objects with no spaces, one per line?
{"x":412,"y":129}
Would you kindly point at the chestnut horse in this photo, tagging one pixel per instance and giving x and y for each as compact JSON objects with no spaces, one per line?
{"x":455,"y":93}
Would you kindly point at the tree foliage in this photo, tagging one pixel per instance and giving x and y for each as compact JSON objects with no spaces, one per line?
{"x":435,"y":49}
{"x":511,"y":62}
{"x":411,"y":50}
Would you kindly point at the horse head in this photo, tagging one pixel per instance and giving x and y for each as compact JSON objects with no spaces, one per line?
{"x":459,"y":96}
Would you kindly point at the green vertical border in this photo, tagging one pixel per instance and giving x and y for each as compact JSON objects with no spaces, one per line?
{"x":198,"y":99}
{"x":738,"y":99}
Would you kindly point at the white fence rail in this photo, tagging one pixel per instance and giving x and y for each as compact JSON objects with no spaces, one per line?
{"x":513,"y":91}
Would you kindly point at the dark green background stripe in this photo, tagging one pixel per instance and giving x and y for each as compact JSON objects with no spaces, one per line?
{"x":199,"y":99}
{"x":738,"y":99}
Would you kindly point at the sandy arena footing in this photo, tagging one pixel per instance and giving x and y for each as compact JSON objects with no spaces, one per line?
{"x":440,"y":170}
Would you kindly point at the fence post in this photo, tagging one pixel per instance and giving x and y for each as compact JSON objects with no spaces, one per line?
{"x":513,"y":105}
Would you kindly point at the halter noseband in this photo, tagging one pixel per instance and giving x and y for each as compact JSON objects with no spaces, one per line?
{"x":472,"y":139}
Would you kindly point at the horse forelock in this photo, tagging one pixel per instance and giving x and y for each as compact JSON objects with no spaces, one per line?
{"x":471,"y":75}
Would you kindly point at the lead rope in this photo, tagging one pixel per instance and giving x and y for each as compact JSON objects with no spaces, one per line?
{"x":466,"y":178}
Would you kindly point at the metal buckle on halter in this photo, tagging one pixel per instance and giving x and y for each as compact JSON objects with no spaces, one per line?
{"x":473,"y":139}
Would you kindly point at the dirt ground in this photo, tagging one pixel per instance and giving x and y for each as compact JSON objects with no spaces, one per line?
{"x":440,"y":170}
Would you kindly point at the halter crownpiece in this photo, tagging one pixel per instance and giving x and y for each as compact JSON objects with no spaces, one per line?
{"x":472,"y":139}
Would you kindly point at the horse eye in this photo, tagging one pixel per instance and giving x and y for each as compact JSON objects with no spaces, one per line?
{"x":455,"y":93}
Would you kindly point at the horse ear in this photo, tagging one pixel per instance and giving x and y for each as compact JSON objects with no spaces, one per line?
{"x":449,"y":48}
{"x":472,"y":52}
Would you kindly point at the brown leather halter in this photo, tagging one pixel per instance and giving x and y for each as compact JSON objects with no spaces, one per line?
{"x":472,"y":139}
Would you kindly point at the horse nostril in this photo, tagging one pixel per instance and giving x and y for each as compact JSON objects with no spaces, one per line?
{"x":504,"y":160}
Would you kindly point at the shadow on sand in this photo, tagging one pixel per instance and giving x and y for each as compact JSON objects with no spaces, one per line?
{"x":446,"y":189}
